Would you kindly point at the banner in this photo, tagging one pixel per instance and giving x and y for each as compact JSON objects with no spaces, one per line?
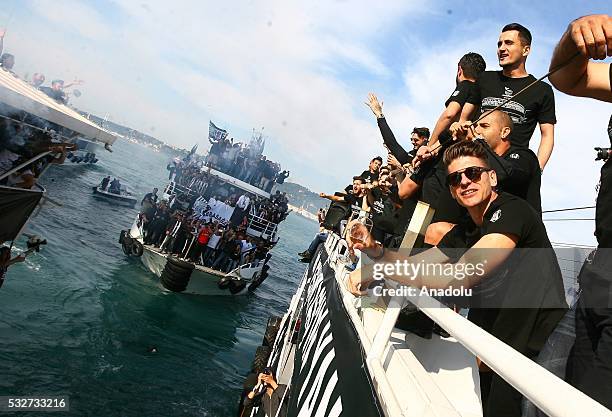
{"x":216,"y":134}
{"x":330,"y":375}
{"x":214,"y":209}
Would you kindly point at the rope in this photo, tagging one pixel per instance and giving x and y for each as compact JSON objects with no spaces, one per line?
{"x":549,"y":73}
{"x":569,"y":209}
{"x":561,"y":220}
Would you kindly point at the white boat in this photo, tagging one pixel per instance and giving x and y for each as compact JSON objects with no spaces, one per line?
{"x":180,"y":275}
{"x":125,"y":198}
{"x":339,"y":355}
{"x":87,"y":152}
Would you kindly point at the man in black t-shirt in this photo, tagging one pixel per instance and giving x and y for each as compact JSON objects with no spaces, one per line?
{"x":431,"y":173}
{"x":517,"y":172}
{"x":535,"y":106}
{"x":469,"y":68}
{"x":590,"y":362}
{"x":354,"y":197}
{"x":370,"y":176}
{"x":528,"y":295}
{"x":418,"y":137}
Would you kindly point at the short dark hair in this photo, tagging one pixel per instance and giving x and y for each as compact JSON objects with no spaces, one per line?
{"x":378,"y":158}
{"x":524,"y":33}
{"x":356,"y":178}
{"x":472,"y":64}
{"x":465,"y":148}
{"x":421,"y":131}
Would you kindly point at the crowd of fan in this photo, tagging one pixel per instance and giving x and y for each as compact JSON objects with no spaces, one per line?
{"x":238,"y":160}
{"x":477,"y":171}
{"x":174,"y":227}
{"x":189,"y":225}
{"x":195,"y":176}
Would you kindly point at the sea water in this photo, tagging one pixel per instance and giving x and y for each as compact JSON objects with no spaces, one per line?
{"x":80,"y":319}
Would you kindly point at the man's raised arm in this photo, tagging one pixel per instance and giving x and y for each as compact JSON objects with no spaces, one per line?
{"x":388,"y":137}
{"x":591,"y":37}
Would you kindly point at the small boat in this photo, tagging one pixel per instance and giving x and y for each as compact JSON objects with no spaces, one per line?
{"x":125,"y":198}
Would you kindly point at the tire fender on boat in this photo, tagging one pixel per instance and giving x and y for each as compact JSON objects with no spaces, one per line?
{"x":236,"y":285}
{"x":176,"y":274}
{"x":224,"y":283}
{"x":137,"y":248}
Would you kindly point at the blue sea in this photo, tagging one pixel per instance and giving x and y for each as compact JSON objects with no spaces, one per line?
{"x":78,"y":319}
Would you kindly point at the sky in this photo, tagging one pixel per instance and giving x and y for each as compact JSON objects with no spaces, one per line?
{"x":302,"y":71}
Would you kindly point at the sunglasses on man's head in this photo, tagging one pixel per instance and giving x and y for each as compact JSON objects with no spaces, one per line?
{"x":472,"y":173}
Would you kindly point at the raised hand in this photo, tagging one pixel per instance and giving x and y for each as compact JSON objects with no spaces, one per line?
{"x":374,"y":105}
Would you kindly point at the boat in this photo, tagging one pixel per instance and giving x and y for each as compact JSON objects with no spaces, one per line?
{"x":39,"y":131}
{"x":339,"y":355}
{"x":86,"y":152}
{"x":124,"y":198}
{"x":176,"y":273}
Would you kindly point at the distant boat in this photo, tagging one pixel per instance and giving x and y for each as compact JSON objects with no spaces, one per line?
{"x":124,"y":199}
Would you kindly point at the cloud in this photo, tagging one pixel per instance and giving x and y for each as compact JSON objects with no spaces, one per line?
{"x":74,"y":16}
{"x":302,"y":70}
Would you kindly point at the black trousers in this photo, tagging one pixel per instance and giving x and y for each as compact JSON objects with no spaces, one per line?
{"x":590,"y":362}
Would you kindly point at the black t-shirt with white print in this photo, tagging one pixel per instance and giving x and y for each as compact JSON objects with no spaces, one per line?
{"x":529,"y":277}
{"x":461,"y":93}
{"x":535,"y":105}
{"x":369,"y":177}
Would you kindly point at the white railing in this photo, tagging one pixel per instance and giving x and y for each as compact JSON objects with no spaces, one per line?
{"x":549,"y":393}
{"x":173,"y":188}
{"x":261,"y":227}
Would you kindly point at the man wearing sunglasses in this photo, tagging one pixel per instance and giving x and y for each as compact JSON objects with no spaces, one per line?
{"x":522,"y":290}
{"x":517,"y":170}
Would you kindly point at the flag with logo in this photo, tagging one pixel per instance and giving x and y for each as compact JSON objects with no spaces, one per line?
{"x":216,"y":134}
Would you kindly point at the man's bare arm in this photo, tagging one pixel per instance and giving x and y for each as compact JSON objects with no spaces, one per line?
{"x":547,"y":143}
{"x":466,"y":112}
{"x":331,"y":197}
{"x":591,"y":37}
{"x":451,"y":113}
{"x":407,"y":188}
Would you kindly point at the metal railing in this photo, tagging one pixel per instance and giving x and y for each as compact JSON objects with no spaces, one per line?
{"x":261,"y":227}
{"x":549,"y":393}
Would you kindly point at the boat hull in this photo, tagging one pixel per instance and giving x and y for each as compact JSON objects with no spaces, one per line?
{"x":114,"y":198}
{"x":203,"y":281}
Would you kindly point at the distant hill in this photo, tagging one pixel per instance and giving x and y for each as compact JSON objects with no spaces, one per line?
{"x":136,"y":136}
{"x":301,"y":196}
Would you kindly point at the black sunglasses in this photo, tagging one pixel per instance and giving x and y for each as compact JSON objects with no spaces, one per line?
{"x":472,"y":173}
